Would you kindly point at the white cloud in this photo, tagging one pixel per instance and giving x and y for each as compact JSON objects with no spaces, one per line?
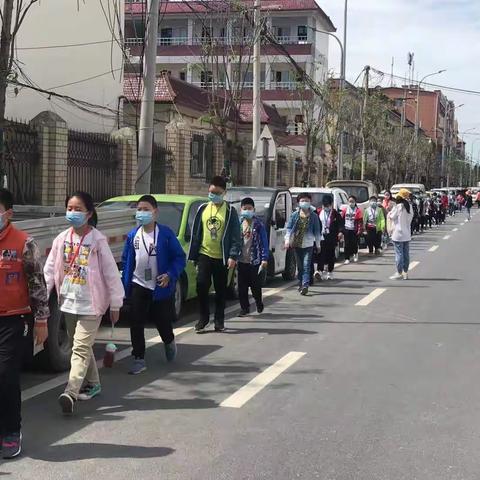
{"x":443,"y":34}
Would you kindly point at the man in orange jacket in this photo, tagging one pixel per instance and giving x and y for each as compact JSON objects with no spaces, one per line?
{"x":22,"y":292}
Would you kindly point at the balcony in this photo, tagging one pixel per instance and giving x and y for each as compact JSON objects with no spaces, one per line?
{"x":167,"y":41}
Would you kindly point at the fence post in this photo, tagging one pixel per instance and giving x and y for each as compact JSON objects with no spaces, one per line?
{"x":127,"y":160}
{"x":53,"y":143}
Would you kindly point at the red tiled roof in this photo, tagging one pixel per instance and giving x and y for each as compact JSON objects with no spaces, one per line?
{"x":170,"y":89}
{"x":196,"y":7}
{"x":268,"y":113}
{"x":292,"y":141}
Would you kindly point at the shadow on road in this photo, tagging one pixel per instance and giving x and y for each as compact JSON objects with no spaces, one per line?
{"x":87,"y":451}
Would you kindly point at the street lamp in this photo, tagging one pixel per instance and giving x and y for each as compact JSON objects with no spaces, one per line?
{"x":343,"y":63}
{"x":447,"y":111}
{"x":417,"y":115}
{"x":471,"y":158}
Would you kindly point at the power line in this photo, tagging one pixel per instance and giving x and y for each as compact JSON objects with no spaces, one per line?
{"x":443,"y":87}
{"x":85,"y":79}
{"x":70,"y":45}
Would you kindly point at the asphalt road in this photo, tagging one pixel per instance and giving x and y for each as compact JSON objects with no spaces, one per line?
{"x":366,"y":378}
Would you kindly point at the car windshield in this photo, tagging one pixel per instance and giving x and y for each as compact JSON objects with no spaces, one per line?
{"x":358,"y":191}
{"x":262,"y":201}
{"x":169,"y":213}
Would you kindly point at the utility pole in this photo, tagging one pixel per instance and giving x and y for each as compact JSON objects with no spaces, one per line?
{"x":342,"y":91}
{"x":5,"y":47}
{"x":258,"y":172}
{"x":147,"y":108}
{"x":364,"y":116}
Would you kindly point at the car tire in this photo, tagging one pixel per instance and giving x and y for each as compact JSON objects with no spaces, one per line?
{"x":58,"y":351}
{"x":290,"y":271}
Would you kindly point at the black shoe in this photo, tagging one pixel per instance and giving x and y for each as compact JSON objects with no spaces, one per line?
{"x":244,"y":313}
{"x":304,"y":291}
{"x":201,"y":325}
{"x":260,"y":308}
{"x":219,"y":327}
{"x":66,"y":402}
{"x":11,"y":445}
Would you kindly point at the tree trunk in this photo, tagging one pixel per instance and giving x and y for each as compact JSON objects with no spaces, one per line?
{"x":5,"y":45}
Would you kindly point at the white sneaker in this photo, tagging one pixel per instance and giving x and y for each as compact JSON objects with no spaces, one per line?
{"x":324,"y":276}
{"x":405,"y":276}
{"x":347,"y":262}
{"x":355,"y":258}
{"x":318,"y":276}
{"x":330,"y":276}
{"x":397,"y":276}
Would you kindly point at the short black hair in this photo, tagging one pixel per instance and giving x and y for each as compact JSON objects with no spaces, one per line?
{"x":6,"y":198}
{"x":247,"y":201}
{"x":148,"y":199}
{"x":373,"y":197}
{"x":354,"y":197}
{"x":304,"y":195}
{"x":87,"y":200}
{"x":327,"y":200}
{"x":219,"y":181}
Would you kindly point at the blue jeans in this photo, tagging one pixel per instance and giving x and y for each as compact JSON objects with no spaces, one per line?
{"x":402,"y":256}
{"x":303,"y":257}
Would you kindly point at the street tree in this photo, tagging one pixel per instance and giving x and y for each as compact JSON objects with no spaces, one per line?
{"x":12,"y":16}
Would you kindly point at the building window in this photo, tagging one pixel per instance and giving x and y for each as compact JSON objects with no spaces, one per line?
{"x":166,"y":35}
{"x":183,"y":76}
{"x":206,"y":79}
{"x":197,"y":160}
{"x":302,"y":33}
{"x":398,"y":103}
{"x":298,"y":124}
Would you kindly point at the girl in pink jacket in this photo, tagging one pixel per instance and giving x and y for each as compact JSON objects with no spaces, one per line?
{"x":83,"y":272}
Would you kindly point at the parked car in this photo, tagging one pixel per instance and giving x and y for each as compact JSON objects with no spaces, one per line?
{"x":415,"y":188}
{"x":361,"y":190}
{"x":178,"y":213}
{"x":273,"y":207}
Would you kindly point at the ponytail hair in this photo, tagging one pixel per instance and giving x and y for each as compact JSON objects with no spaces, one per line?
{"x":89,"y":204}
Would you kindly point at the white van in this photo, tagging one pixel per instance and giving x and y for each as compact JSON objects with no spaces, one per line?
{"x":415,"y":188}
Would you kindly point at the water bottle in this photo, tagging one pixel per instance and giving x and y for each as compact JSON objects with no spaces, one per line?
{"x":109,"y":357}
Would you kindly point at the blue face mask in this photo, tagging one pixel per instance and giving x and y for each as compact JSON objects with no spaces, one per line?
{"x":304,"y":205}
{"x":373,"y":205}
{"x":247,"y":214}
{"x":215,"y":198}
{"x":76,"y":219}
{"x":144,"y":217}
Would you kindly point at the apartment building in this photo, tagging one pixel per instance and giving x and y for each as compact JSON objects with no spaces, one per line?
{"x":185,"y":27}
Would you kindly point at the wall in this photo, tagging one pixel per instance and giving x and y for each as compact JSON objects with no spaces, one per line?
{"x":59,"y":22}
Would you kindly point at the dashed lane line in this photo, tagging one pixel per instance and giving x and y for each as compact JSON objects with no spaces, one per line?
{"x":370,"y":297}
{"x":413,"y":265}
{"x":446,"y":237}
{"x":434,"y":248}
{"x":455,"y":230}
{"x":257,"y":384}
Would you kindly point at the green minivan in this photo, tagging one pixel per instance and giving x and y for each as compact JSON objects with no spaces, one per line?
{"x":178,"y":213}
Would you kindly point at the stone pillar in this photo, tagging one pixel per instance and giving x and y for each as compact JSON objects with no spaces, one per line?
{"x":53,"y":145}
{"x":127,"y":160}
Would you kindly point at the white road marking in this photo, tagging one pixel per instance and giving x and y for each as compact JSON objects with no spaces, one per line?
{"x":434,"y":248}
{"x":248,"y":391}
{"x":413,"y":265}
{"x":63,"y":378}
{"x":462,"y":224}
{"x":455,"y":230}
{"x":446,"y":237}
{"x":370,"y":297}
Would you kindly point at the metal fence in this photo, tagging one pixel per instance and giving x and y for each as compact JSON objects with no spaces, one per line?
{"x":92,"y":164}
{"x":161,"y":162}
{"x":22,"y":162}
